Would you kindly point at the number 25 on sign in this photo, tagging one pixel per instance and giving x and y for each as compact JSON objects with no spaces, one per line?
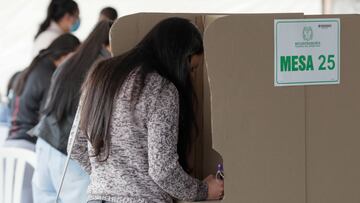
{"x":306,"y":63}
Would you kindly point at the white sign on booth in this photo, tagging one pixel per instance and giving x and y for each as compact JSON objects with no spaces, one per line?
{"x":307,"y":52}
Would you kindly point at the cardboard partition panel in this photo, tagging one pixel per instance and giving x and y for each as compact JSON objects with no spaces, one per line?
{"x":332,"y":126}
{"x":257,"y":128}
{"x":282,"y":144}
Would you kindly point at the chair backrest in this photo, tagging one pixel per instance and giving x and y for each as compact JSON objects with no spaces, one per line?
{"x":12,"y":168}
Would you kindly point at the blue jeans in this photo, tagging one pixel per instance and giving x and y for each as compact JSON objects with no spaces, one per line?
{"x":48,"y":173}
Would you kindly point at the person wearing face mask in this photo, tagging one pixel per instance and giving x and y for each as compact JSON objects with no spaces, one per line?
{"x":62,"y":17}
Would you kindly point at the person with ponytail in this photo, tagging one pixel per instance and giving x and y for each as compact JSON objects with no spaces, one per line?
{"x":108,"y":13}
{"x":133,"y":129}
{"x":62,"y":17}
{"x":54,"y":127}
{"x":30,"y":88}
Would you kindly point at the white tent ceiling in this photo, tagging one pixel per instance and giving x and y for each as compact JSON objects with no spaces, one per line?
{"x":19,"y":20}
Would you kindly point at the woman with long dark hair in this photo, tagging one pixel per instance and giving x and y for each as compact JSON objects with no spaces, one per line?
{"x":32,"y":85}
{"x":54,"y":127}
{"x":30,"y":88}
{"x":62,"y":17}
{"x":132,"y":130}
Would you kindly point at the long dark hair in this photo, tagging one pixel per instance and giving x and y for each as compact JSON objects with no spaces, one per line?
{"x":61,"y":46}
{"x":65,"y":89}
{"x":167,"y":50}
{"x":56,"y":10}
{"x":11,"y":83}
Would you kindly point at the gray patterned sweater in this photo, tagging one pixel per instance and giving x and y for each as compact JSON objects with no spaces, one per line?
{"x":143,"y":163}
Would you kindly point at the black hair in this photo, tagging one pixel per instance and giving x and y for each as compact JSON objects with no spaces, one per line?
{"x":66,"y":86}
{"x":56,"y":10}
{"x":60,"y":47}
{"x":167,"y":50}
{"x":110,"y":13}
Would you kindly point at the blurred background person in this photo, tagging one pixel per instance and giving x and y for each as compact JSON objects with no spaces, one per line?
{"x":11,"y":86}
{"x":4,"y":118}
{"x":54,"y":127}
{"x":62,"y":17}
{"x":108,"y":13}
{"x":30,"y":89}
{"x":4,"y":111}
{"x":32,"y":84}
{"x":5,"y":106}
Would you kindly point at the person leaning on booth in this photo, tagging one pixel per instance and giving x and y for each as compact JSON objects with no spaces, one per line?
{"x":133,"y":126}
{"x":62,"y":17}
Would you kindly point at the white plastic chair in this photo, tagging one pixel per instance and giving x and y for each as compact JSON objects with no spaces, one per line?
{"x":12,"y":168}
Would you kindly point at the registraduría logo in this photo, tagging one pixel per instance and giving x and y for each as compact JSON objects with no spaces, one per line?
{"x":308,"y":38}
{"x":308,"y":33}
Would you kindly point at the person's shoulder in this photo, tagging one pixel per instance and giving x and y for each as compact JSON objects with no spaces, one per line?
{"x":52,"y":32}
{"x":44,"y":40}
{"x":46,"y":66}
{"x":42,"y":73}
{"x":160,"y":85}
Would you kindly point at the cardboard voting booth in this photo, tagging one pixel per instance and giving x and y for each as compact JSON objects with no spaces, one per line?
{"x":297,"y":144}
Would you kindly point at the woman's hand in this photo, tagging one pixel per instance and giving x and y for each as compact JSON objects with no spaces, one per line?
{"x":215,"y":188}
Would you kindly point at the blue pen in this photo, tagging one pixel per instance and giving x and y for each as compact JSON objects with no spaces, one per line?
{"x":220,"y":172}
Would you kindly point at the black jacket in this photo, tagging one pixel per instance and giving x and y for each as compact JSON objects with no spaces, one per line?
{"x":57,"y":133}
{"x":26,"y":107}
